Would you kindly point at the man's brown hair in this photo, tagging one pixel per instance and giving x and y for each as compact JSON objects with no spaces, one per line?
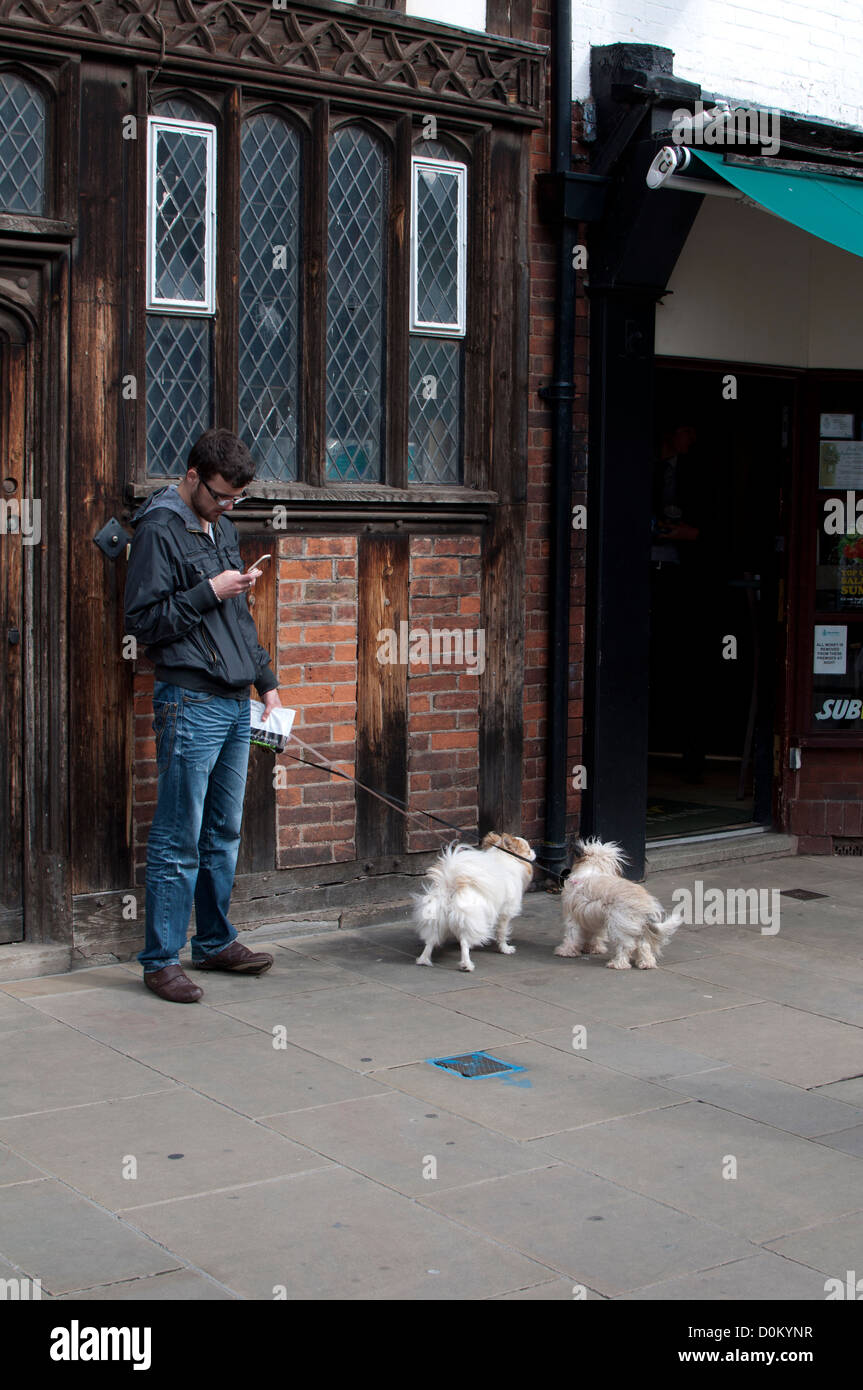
{"x":220,"y":451}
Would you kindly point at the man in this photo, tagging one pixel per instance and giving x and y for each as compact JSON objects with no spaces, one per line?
{"x":186,"y":601}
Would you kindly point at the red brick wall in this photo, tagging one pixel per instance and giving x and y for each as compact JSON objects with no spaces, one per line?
{"x":826,"y":798}
{"x":541,"y":355}
{"x":443,"y":700}
{"x":317,"y":670}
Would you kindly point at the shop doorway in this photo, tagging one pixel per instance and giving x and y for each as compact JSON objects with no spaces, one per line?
{"x":720,"y":476}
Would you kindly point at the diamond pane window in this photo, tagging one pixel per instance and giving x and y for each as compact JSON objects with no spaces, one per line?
{"x":270,"y":294}
{"x":179,"y":390}
{"x":438,"y":246}
{"x":181,"y":216}
{"x":22,"y":146}
{"x":356,"y":270}
{"x":434,"y":439}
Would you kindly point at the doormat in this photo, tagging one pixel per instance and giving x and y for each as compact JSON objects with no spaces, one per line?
{"x":473,"y":1064}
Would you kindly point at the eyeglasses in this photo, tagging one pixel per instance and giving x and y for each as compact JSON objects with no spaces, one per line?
{"x":219,"y":497}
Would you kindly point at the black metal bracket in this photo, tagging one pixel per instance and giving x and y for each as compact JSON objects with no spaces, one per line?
{"x":112,"y":539}
{"x":570,"y":196}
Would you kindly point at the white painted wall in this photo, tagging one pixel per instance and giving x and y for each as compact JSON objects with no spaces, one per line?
{"x":749,"y":287}
{"x":793,"y":55}
{"x":467,"y":14}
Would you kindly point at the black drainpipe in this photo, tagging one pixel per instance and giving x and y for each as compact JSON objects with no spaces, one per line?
{"x":565,"y":198}
{"x":560,"y":394}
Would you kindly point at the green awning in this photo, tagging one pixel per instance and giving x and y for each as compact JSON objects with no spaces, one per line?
{"x":829,"y":208}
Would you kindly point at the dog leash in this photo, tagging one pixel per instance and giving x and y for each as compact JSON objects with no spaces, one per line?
{"x":396,"y":804}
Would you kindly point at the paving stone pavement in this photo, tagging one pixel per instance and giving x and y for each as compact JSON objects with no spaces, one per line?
{"x":693,"y":1132}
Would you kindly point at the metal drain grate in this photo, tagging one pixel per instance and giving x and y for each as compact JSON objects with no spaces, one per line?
{"x":805,"y":895}
{"x":852,"y":847}
{"x":473,"y":1064}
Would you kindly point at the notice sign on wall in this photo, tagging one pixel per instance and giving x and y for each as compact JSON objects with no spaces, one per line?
{"x":841,"y":464}
{"x":831,"y":651}
{"x":837,"y":427}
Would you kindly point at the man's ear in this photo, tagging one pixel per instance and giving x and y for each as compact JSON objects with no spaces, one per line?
{"x":490,"y":840}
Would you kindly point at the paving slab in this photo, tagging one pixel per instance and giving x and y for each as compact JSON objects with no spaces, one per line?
{"x":514,"y":1010}
{"x":336,"y":1235}
{"x":129,"y":1017}
{"x":629,"y":1050}
{"x":780,"y":949}
{"x":15,"y":1169}
{"x":59,"y":1237}
{"x":89,"y":1147}
{"x":850,"y":1091}
{"x":253,"y":1077}
{"x":55,"y":1067}
{"x":783,"y":984}
{"x":832,"y":1247}
{"x":758,"y":1278}
{"x":554,"y":1092}
{"x":680,"y":1157}
{"x":17,"y":1016}
{"x":848,"y":1141}
{"x":773,"y":1040}
{"x":628,"y":998}
{"x":806,"y":1113}
{"x":593,"y":1231}
{"x":181,"y":1285}
{"x":399,"y":1142}
{"x":554,"y":1291}
{"x":367,"y":1026}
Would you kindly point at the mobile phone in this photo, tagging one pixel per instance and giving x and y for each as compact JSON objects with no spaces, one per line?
{"x":259,"y":561}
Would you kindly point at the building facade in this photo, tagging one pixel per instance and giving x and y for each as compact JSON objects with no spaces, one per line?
{"x":725,"y":689}
{"x":312,"y":224}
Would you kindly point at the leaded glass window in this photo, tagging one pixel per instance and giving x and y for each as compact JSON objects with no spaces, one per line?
{"x":356,"y":289}
{"x":270,"y":294}
{"x":438,"y":316}
{"x":438,"y":246}
{"x":22,"y":146}
{"x":181,"y":215}
{"x":180,"y":344}
{"x":179,"y":390}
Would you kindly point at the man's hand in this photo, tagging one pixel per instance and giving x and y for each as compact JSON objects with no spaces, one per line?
{"x":230,"y":583}
{"x":270,"y":701}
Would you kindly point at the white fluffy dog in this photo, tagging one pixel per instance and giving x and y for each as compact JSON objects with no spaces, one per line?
{"x":604,"y":911}
{"x":473,"y":895}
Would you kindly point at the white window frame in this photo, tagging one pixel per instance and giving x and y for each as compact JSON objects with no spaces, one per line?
{"x":452,"y":167}
{"x":207,"y":306}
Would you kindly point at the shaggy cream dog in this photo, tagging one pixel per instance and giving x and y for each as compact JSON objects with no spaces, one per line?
{"x":604,"y":911}
{"x":473,"y":895}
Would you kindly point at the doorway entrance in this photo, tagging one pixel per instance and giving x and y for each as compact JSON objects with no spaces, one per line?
{"x":720,"y":475}
{"x":13,"y":525}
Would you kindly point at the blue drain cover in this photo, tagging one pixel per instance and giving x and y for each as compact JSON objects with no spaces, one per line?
{"x":473,"y":1064}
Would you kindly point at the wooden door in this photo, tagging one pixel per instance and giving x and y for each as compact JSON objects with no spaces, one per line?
{"x":15,"y":528}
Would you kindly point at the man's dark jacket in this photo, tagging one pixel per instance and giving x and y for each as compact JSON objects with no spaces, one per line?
{"x":195,"y":639}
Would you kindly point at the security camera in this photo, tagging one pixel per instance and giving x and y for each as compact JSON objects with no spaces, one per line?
{"x":670,"y":160}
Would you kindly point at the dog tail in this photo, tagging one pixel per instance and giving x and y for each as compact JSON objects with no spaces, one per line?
{"x":662,"y":928}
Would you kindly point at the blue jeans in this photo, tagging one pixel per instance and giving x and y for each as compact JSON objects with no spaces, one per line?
{"x":202,"y":754}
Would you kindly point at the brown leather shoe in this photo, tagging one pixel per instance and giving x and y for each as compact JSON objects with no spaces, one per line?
{"x":238,"y":958}
{"x":173,"y":984}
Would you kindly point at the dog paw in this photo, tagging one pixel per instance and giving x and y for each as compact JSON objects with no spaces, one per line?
{"x":646,"y":964}
{"x":618,"y":965}
{"x":420,"y":961}
{"x":506,"y":950}
{"x":470,"y":966}
{"x":566,"y":951}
